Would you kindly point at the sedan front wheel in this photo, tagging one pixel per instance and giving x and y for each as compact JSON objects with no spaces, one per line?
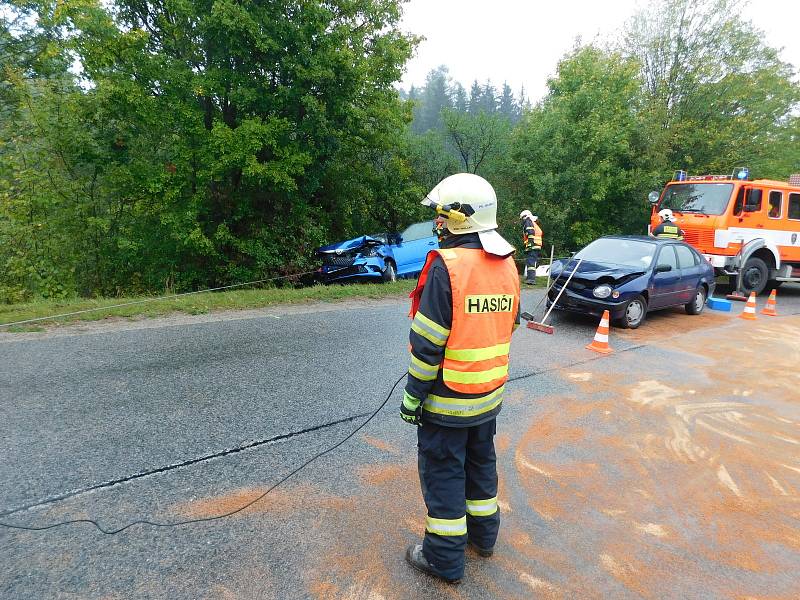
{"x":634,"y":314}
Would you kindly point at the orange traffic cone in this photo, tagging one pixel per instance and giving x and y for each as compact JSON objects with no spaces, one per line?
{"x":600,"y":342}
{"x":749,"y":311}
{"x":769,"y":309}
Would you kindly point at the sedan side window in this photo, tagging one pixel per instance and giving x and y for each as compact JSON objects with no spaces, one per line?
{"x":417,"y":231}
{"x":667,"y":257}
{"x":686,"y":258}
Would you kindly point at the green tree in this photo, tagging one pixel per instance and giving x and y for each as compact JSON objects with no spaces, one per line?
{"x":435,"y":97}
{"x":210,"y":141}
{"x":507,"y":105}
{"x":478,"y":139}
{"x":41,"y":188}
{"x":431,"y":159}
{"x":460,"y":99}
{"x":488,"y":101}
{"x":475,"y":98}
{"x":721,"y":97}
{"x":580,"y":159}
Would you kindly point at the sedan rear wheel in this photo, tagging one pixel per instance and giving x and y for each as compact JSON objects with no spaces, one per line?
{"x":696,"y":306}
{"x":634,"y":314}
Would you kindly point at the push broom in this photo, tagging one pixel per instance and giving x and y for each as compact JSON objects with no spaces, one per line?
{"x":543,"y":326}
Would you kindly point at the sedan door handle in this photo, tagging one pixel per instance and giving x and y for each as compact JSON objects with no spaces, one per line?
{"x":431,"y":243}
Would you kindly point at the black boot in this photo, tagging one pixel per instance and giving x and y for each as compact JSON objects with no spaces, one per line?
{"x":485,"y":552}
{"x":416,"y":559}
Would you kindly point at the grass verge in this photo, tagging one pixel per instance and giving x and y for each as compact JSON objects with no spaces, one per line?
{"x":195,"y":304}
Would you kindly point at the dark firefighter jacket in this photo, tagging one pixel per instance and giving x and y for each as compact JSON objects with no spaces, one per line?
{"x":667,"y":229}
{"x":531,"y":235}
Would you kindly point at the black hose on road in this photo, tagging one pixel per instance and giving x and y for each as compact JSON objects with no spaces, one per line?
{"x":216,"y":517}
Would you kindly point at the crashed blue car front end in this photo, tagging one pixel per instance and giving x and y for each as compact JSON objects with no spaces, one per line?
{"x":363,"y":258}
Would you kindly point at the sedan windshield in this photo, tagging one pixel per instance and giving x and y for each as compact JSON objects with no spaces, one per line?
{"x":703,"y":198}
{"x":615,"y":251}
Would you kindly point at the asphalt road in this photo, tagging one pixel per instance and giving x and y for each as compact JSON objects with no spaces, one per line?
{"x":669,"y":469}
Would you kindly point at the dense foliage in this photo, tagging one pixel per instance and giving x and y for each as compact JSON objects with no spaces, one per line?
{"x":204,"y":142}
{"x":172,"y":144}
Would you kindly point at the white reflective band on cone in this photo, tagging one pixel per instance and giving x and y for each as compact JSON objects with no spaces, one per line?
{"x":601,"y":337}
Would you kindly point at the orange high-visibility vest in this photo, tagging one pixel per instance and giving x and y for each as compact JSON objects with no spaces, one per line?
{"x":537,"y":235}
{"x":533,"y":241}
{"x":485,"y":292}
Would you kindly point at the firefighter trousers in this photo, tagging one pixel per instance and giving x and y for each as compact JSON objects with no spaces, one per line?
{"x":458,"y":474}
{"x":531,"y":262}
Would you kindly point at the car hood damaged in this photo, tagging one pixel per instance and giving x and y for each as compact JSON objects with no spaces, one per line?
{"x":353,"y":245}
{"x":590,"y":271}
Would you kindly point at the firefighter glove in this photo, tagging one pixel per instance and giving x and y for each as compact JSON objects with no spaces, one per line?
{"x":411,"y":409}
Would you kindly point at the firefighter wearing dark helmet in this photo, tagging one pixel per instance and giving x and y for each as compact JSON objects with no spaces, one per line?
{"x":465,"y":308}
{"x":668,"y":228}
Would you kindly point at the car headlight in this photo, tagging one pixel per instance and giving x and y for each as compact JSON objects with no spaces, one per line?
{"x":602,"y":291}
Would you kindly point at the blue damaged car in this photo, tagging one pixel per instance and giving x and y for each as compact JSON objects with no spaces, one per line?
{"x":378,"y":257}
{"x":630,"y":276}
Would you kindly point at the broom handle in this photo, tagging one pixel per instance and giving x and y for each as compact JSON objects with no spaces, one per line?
{"x":550,"y":279}
{"x":571,"y":275}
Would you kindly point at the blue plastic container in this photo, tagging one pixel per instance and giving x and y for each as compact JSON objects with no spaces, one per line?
{"x":720,"y":304}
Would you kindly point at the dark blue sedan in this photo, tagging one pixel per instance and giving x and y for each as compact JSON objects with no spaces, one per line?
{"x":630,"y":276}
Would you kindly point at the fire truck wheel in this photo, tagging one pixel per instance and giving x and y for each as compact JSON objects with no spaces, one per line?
{"x":754,"y":276}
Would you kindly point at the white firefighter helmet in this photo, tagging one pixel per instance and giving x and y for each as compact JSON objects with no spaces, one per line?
{"x":529,"y":215}
{"x":666,"y":215}
{"x":473,"y":198}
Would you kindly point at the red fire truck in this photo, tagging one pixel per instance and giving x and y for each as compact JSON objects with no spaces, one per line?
{"x":748,"y":230}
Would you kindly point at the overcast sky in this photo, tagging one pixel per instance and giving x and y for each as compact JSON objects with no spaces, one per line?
{"x":521,"y":41}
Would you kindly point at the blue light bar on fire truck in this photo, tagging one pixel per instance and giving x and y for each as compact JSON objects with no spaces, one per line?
{"x":708,"y":178}
{"x":739,"y":173}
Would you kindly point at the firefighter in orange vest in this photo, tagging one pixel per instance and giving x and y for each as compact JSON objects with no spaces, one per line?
{"x":465,"y":308}
{"x":532,"y":236}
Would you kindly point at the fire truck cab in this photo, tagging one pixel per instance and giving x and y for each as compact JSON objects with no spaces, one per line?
{"x":748,"y":230}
